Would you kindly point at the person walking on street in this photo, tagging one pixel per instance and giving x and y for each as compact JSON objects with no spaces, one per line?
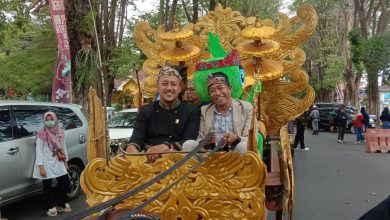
{"x":358,"y":124}
{"x":300,"y":135}
{"x":385,"y":118}
{"x":341,"y":123}
{"x":315,"y":118}
{"x":51,"y":163}
{"x":366,"y":118}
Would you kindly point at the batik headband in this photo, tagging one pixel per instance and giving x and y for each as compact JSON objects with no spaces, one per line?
{"x":217,"y":78}
{"x":167,"y":70}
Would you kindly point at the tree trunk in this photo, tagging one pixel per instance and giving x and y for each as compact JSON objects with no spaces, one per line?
{"x":166,"y":13}
{"x":172,"y":15}
{"x":373,"y":94}
{"x":195,"y":14}
{"x":384,"y":17}
{"x":352,"y":80}
{"x":161,"y":13}
{"x":185,"y":9}
{"x":75,"y":10}
{"x":122,"y":17}
{"x":212,"y":5}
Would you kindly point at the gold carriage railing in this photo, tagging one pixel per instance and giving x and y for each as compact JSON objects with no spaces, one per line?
{"x":226,"y":186}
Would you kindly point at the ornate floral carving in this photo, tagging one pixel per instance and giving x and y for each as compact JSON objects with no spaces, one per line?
{"x":227,"y":186}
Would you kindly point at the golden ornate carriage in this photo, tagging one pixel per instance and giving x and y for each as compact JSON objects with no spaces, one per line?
{"x":228,"y":186}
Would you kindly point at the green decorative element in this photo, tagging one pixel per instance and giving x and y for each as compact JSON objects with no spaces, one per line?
{"x":260,"y":142}
{"x":215,"y":46}
{"x":250,"y":96}
{"x":232,"y":72}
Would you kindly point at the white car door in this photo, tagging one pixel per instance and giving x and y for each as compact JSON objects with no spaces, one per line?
{"x":10,"y":157}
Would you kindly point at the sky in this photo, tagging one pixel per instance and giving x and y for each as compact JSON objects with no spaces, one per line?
{"x":150,"y":5}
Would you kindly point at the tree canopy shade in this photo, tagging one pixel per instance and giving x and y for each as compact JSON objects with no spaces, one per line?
{"x":376,"y":56}
{"x":27,"y":60}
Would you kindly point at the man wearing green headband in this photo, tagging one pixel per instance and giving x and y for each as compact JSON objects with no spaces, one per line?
{"x":225,"y":117}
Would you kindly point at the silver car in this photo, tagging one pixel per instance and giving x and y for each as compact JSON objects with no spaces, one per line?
{"x":121,"y":128}
{"x":19,"y":124}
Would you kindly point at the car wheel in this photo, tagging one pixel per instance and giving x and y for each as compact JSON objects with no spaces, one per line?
{"x":74,"y":179}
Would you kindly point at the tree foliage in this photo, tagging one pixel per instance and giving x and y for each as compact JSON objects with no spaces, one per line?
{"x":27,"y":60}
{"x":357,"y":49}
{"x":376,"y":56}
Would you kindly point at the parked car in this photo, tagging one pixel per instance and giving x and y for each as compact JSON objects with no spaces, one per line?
{"x":121,"y":128}
{"x":325,"y":108}
{"x":374,"y":119}
{"x":372,"y":123}
{"x":19,"y":124}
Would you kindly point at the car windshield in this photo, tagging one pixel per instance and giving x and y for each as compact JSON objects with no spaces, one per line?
{"x":122,"y":120}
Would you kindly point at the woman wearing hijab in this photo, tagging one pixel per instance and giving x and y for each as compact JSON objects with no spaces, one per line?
{"x":51,"y":163}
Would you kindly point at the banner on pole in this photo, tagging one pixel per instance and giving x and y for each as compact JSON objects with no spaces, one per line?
{"x":61,"y":80}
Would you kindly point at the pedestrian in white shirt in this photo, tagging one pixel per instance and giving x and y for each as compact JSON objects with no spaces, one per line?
{"x":51,"y":163}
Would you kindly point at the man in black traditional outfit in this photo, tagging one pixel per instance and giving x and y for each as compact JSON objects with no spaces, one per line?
{"x":166,"y":124}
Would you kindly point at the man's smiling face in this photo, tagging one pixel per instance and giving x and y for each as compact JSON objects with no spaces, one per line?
{"x":169,"y":88}
{"x":220,"y":94}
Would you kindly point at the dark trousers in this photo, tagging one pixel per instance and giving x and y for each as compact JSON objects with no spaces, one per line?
{"x":341,"y":131}
{"x":55,"y":196}
{"x":299,"y":138}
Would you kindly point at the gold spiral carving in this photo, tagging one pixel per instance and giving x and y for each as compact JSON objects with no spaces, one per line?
{"x":227,"y":186}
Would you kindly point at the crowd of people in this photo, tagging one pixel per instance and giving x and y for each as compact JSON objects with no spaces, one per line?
{"x":338,"y":120}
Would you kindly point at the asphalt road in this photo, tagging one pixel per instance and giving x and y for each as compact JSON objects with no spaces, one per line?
{"x":338,"y":181}
{"x":333,"y":181}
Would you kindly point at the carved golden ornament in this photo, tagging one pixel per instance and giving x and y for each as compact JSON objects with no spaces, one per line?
{"x":151,"y":68}
{"x":191,"y":71}
{"x":222,"y":21}
{"x":289,"y":38}
{"x":258,"y":48}
{"x":257,"y":32}
{"x":149,"y":86}
{"x":227,"y":186}
{"x":278,"y":106}
{"x":178,"y":54}
{"x":287,"y":172}
{"x":136,"y":100}
{"x":267,"y":68}
{"x":147,"y":40}
{"x":176,"y":35}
